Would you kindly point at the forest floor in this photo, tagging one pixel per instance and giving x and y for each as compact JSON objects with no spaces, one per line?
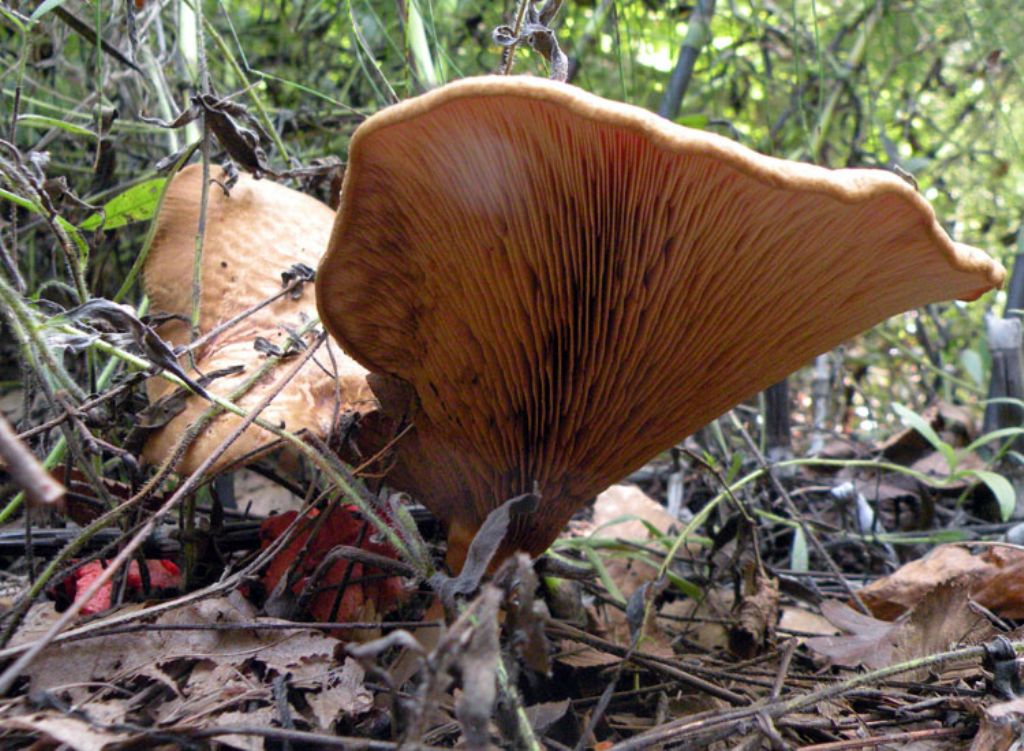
{"x":635,"y":631}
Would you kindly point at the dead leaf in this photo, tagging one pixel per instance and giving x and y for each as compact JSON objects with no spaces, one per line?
{"x":1001,"y":727}
{"x":71,"y":732}
{"x":891,"y":596}
{"x":482,"y":549}
{"x":1001,"y":588}
{"x":866,"y":641}
{"x":543,"y":716}
{"x":954,"y":425}
{"x":340,"y":693}
{"x":995,"y":579}
{"x":216,"y":670}
{"x":258,"y":717}
{"x":625,"y":511}
{"x":803,"y":622}
{"x":942,"y":620}
{"x":478,"y":663}
{"x":755,"y":620}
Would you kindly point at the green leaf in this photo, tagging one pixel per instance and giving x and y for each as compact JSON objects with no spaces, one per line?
{"x":970,"y":360}
{"x":1001,"y":488}
{"x":693,"y":121}
{"x":799,"y":560}
{"x":42,"y":121}
{"x":917,"y":423}
{"x":136,"y":204}
{"x":734,"y":467}
{"x":416,"y":38}
{"x":686,"y":587}
{"x":45,"y":7}
{"x":993,"y":435}
{"x":936,"y":537}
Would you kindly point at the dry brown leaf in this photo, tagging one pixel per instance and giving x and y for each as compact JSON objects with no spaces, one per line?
{"x":1001,"y":589}
{"x":210,"y":688}
{"x":72,"y":732}
{"x":941,"y":621}
{"x":620,"y":513}
{"x":805,"y":622}
{"x":613,"y":507}
{"x":258,"y":717}
{"x":340,"y":693}
{"x":866,"y":641}
{"x":893,"y":595}
{"x":954,"y":424}
{"x":935,"y":465}
{"x":543,"y":716}
{"x":582,"y":656}
{"x":705,"y":620}
{"x":219,"y":671}
{"x":995,"y":579}
{"x":755,"y":620}
{"x":1002,"y":725}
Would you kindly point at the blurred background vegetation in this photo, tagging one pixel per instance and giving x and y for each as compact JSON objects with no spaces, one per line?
{"x":933,"y":88}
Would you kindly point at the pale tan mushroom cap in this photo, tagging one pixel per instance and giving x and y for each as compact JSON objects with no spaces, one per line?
{"x":572,"y":285}
{"x":252,"y":235}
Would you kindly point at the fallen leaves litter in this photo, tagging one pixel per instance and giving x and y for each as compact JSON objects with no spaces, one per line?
{"x":200,"y":671}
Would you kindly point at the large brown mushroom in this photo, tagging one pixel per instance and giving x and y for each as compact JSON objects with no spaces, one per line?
{"x":253,"y":233}
{"x":568,"y":285}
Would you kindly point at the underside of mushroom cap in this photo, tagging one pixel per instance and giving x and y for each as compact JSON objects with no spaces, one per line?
{"x":572,"y":285}
{"x":253,"y":234}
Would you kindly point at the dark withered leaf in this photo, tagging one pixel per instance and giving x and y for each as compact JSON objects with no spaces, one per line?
{"x":536,"y":32}
{"x":478,"y":663}
{"x":504,"y":36}
{"x":526,"y":617}
{"x":543,"y":716}
{"x":635,"y":611}
{"x":485,"y":544}
{"x":298,"y":272}
{"x":266,"y":347}
{"x":119,"y":324}
{"x":637,"y":605}
{"x":162,"y":411}
{"x":180,"y":156}
{"x":543,"y":40}
{"x":237,"y":131}
{"x":547,"y":14}
{"x":185,"y":118}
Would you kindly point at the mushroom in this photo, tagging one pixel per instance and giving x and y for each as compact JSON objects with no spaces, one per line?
{"x":567,"y":286}
{"x":253,"y":233}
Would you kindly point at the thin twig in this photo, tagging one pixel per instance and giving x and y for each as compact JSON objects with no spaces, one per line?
{"x":26,"y":471}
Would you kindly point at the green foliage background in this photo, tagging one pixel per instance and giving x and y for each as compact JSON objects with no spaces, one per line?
{"x":932,"y":87}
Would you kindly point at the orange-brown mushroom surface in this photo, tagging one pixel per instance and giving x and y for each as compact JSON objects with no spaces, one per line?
{"x":253,"y":234}
{"x":571,"y":285}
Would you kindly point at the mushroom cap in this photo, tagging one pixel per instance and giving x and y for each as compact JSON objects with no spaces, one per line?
{"x":572,"y":285}
{"x":252,"y":235}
